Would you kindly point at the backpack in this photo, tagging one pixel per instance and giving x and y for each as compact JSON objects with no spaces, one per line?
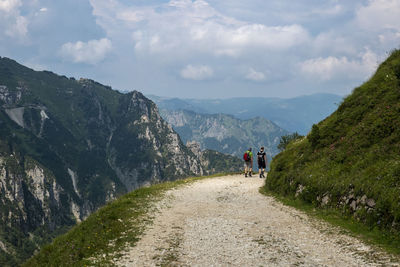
{"x":246,"y":156}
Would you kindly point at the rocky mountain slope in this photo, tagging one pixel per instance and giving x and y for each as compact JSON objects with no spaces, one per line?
{"x":69,"y":146}
{"x":351,"y":160}
{"x":225,"y":133}
{"x":215,"y":162}
{"x":293,"y":114}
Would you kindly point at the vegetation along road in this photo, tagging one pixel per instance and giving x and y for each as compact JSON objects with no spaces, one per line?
{"x":226,"y":221}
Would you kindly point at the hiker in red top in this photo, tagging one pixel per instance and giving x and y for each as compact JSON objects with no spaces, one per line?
{"x":248,"y":162}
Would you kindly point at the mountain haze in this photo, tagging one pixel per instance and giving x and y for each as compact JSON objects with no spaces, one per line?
{"x":294,"y":114}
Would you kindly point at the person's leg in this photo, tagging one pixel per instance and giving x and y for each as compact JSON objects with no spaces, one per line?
{"x":245,"y":169}
{"x":264,"y":166}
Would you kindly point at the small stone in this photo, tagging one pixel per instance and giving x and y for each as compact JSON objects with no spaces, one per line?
{"x":353,"y":205}
{"x":371,"y":203}
{"x":363,"y":200}
{"x":325,"y":200}
{"x":300,"y":189}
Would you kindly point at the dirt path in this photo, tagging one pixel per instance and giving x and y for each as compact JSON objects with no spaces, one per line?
{"x":227,"y":222}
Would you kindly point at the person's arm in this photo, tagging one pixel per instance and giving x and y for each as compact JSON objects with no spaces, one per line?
{"x":265,"y":158}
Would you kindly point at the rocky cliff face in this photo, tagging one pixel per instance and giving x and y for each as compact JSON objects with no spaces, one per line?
{"x":155,"y":153}
{"x":67,"y":147}
{"x":34,"y":206}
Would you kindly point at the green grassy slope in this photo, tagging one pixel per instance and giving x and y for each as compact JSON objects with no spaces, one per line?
{"x":351,"y":160}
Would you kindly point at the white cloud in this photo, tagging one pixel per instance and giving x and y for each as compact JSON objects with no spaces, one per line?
{"x":12,"y":24}
{"x":330,"y":11}
{"x":91,"y":52}
{"x":43,"y":9}
{"x":184,"y":27}
{"x":131,"y":16}
{"x":19,"y":28}
{"x":389,"y":38}
{"x":9,"y":6}
{"x":379,"y":15}
{"x":342,"y":68}
{"x":336,"y":10}
{"x":334,"y":43}
{"x":260,"y":37}
{"x":256,"y":76}
{"x":197,"y":73}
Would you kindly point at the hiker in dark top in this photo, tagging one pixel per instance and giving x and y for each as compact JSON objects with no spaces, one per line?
{"x":262,"y":161}
{"x":248,"y":162}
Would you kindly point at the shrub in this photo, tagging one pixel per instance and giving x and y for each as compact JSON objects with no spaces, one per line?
{"x":286,"y":139}
{"x":314,"y":136}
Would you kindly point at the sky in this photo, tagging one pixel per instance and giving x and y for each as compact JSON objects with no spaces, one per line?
{"x":205,"y":48}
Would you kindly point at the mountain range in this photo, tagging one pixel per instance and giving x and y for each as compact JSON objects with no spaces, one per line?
{"x":225,"y":133}
{"x":69,"y":146}
{"x":294,"y":114}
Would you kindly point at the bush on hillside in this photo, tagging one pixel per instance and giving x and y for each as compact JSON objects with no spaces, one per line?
{"x":286,"y":139}
{"x":314,"y":136}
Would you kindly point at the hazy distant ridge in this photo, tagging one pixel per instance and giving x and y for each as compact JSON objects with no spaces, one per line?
{"x":225,"y":133}
{"x":293,"y":114}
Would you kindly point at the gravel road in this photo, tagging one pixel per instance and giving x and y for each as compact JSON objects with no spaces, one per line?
{"x":226,"y":222}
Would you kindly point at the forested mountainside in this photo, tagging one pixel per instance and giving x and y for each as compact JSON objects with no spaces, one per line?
{"x":296,"y":114}
{"x":69,"y":146}
{"x":225,"y":133}
{"x":351,"y":160}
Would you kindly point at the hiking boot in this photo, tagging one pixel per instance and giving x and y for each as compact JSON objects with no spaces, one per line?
{"x":260,"y":175}
{"x":250,"y":174}
{"x":245,"y":175}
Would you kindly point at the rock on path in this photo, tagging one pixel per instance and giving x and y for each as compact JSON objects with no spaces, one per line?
{"x":226,"y":222}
